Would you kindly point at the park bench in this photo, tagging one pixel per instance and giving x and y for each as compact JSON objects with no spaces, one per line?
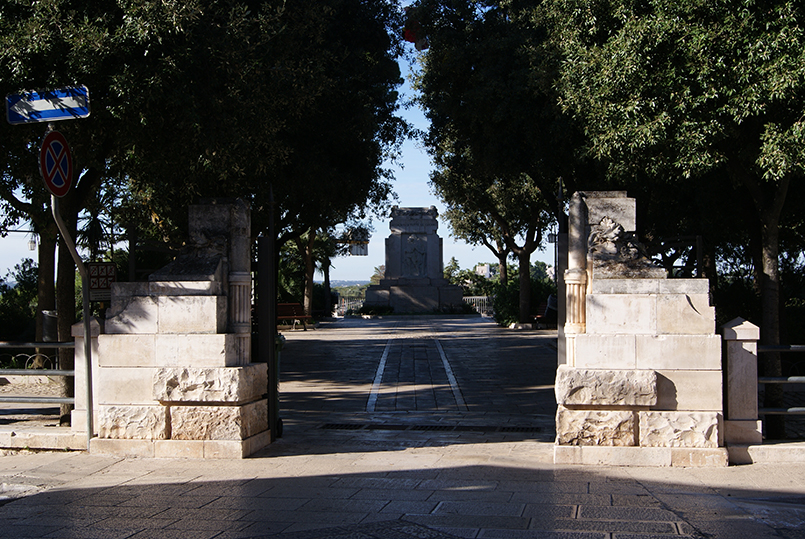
{"x":294,"y":312}
{"x":546,"y":315}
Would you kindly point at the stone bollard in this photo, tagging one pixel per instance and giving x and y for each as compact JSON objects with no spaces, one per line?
{"x":741,"y":425}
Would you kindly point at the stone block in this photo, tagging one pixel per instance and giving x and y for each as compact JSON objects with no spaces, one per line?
{"x":185,"y":288}
{"x":218,"y":422}
{"x":622,"y":210}
{"x":598,"y":387}
{"x":604,"y":351}
{"x":624,"y":314}
{"x":685,"y":314}
{"x":192,"y":314}
{"x":123,"y":385}
{"x":699,"y":458}
{"x":133,"y":422}
{"x":595,"y":427}
{"x":451,"y":296}
{"x":679,"y":429}
{"x":127,"y":350}
{"x":612,"y":456}
{"x":626,"y":286}
{"x":414,"y":299}
{"x":739,"y":329}
{"x":137,"y":315}
{"x":743,"y":432}
{"x":225,"y":449}
{"x":122,"y":292}
{"x":44,"y":438}
{"x":257,"y":442}
{"x":678,"y":352}
{"x":224,"y":384}
{"x":742,"y":397}
{"x":179,"y":449}
{"x":200,"y":350}
{"x":122,"y":448}
{"x":785,"y":453}
{"x":376,"y":296}
{"x":684,"y":286}
{"x":689,"y":390}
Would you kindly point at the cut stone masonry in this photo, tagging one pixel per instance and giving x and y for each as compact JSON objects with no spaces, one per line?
{"x":640,"y":368}
{"x":172,"y":373}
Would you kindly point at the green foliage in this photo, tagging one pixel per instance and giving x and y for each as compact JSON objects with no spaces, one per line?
{"x":293,"y":102}
{"x":451,"y":270}
{"x":380,"y":272}
{"x":18,"y":303}
{"x":507,"y":297}
{"x":353,"y":291}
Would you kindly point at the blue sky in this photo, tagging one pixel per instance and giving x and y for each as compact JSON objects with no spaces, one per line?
{"x":411,"y":186}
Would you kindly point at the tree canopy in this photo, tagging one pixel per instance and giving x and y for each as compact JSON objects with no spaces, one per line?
{"x":692,"y":90}
{"x":212,"y":98}
{"x":499,"y":140}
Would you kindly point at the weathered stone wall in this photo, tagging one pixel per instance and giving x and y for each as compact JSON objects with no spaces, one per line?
{"x":642,"y":359}
{"x":172,"y":375}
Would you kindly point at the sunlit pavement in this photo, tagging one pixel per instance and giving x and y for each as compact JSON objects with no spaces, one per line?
{"x":401,"y":427}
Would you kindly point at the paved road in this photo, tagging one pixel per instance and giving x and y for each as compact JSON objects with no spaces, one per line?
{"x":381,"y":442}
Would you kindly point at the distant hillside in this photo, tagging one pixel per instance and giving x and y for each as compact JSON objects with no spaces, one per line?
{"x":337,"y":283}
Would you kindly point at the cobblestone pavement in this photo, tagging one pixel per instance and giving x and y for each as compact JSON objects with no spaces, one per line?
{"x":404,"y":427}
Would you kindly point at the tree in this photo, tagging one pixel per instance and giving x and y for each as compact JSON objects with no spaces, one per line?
{"x":499,"y":140}
{"x":18,"y":302}
{"x":243,"y":98}
{"x":688,"y":89}
{"x":213,"y":98}
{"x":378,"y":275}
{"x":477,"y":228}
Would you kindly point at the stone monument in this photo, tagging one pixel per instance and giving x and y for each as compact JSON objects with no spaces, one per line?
{"x":172,"y":375}
{"x":414,"y":278}
{"x":640,"y":381}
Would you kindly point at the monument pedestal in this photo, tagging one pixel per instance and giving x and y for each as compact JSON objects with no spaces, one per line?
{"x":414,"y":278}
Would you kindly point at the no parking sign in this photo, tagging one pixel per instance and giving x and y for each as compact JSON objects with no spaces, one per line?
{"x":56,"y":164}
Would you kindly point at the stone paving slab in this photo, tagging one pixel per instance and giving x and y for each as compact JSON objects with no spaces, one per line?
{"x":405,"y":480}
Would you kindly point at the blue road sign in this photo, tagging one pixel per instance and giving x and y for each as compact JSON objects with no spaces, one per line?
{"x":48,"y":105}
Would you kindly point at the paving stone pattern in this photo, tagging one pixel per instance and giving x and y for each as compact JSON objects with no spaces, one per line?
{"x":406,"y":471}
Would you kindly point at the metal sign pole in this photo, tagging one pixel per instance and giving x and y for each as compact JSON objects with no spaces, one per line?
{"x":68,"y":241}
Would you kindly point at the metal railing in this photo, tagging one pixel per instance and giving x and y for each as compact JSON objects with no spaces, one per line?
{"x":482,"y":304}
{"x":347,"y":303}
{"x":30,"y":361}
{"x":794,"y":410}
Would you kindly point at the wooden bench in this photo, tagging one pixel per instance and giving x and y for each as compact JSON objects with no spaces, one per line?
{"x":543,"y":318}
{"x":294,"y":312}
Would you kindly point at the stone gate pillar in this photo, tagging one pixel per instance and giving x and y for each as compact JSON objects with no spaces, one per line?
{"x":174,"y":376}
{"x":642,"y":384}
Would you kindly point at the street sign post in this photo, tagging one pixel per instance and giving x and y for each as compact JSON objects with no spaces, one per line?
{"x":67,"y":103}
{"x":56,"y":164}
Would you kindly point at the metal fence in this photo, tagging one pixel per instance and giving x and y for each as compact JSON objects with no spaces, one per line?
{"x":787,"y":380}
{"x":348,"y":303}
{"x":482,"y":304}
{"x":36,"y":363}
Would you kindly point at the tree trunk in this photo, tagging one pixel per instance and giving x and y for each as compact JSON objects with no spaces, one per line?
{"x":328,"y":294}
{"x":45,"y":288}
{"x":770,"y":324}
{"x":524,"y":260}
{"x":503,"y":269}
{"x":306,"y":248}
